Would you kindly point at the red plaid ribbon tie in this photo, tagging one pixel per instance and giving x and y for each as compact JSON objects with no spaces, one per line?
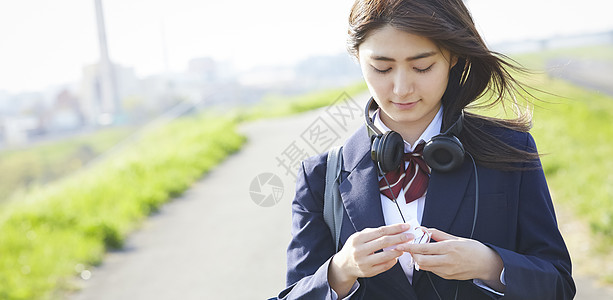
{"x":414,"y":179}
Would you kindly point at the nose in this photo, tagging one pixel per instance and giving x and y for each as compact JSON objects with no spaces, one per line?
{"x":402,"y":84}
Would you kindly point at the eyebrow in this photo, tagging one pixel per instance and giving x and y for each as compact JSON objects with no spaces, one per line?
{"x":416,"y":57}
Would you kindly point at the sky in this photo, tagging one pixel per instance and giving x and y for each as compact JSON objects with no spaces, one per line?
{"x":45,"y":43}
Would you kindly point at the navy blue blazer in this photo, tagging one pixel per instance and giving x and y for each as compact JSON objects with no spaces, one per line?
{"x":516,"y":218}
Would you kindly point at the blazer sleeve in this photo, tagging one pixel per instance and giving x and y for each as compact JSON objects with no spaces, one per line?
{"x":311,"y":248}
{"x":540,"y":266}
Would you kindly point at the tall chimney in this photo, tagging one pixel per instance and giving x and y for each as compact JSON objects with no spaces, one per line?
{"x":109,"y":98}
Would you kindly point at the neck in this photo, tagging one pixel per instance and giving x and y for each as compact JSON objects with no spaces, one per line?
{"x":410,"y":130}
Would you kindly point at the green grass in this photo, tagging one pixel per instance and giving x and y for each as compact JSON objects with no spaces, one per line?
{"x":575,"y":133}
{"x":53,"y":232}
{"x":22,"y":169}
{"x":72,"y":222}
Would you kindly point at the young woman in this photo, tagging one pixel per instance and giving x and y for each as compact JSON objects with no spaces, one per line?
{"x":490,"y":216}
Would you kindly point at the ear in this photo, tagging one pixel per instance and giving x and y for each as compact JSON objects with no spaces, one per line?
{"x":454,"y":60}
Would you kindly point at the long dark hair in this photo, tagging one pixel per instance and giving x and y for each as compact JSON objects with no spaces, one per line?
{"x":479,"y":72}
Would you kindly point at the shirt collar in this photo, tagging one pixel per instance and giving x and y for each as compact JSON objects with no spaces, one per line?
{"x":433,"y":129}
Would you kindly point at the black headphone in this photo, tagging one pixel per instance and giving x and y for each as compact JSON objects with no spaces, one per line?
{"x":443,"y":153}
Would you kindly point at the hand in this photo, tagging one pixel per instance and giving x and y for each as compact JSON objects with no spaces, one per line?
{"x":457,"y":258}
{"x":357,"y":258}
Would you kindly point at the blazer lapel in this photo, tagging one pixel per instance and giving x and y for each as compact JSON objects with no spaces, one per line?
{"x":360,"y":190}
{"x":445,"y":193}
{"x":443,"y":199}
{"x":362,"y":201}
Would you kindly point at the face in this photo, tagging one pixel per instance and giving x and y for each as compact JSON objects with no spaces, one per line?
{"x":407,"y":75}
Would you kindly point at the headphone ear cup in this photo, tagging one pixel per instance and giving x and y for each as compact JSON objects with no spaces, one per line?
{"x":444,"y":153}
{"x":390,"y":151}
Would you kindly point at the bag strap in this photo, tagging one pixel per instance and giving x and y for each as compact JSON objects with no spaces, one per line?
{"x":333,"y":205}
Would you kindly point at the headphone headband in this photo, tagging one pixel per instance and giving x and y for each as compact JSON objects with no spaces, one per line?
{"x":457,"y":126}
{"x":371,"y":107}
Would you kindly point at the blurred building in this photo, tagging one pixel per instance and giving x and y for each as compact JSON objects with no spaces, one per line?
{"x":328,"y":71}
{"x":312,"y":73}
{"x":95,"y":110}
{"x":65,"y":114}
{"x":21,"y":118}
{"x":16,"y":130}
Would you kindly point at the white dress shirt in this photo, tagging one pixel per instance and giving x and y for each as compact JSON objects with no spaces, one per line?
{"x":413,"y":211}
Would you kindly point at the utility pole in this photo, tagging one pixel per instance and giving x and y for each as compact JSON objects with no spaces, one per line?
{"x":109,"y":102}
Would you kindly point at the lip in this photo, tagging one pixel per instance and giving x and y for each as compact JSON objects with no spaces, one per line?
{"x":404,"y":106}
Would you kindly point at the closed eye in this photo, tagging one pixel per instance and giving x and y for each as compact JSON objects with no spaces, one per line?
{"x":423,"y":70}
{"x":382,"y":71}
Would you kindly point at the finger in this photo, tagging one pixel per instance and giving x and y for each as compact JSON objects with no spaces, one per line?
{"x":382,"y":257}
{"x":380,"y":268}
{"x":370,"y":234}
{"x":404,"y":247}
{"x":441,"y":266}
{"x":387,"y":242}
{"x":429,"y":262}
{"x":425,"y":249}
{"x":439,"y":236}
{"x":381,"y":262}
